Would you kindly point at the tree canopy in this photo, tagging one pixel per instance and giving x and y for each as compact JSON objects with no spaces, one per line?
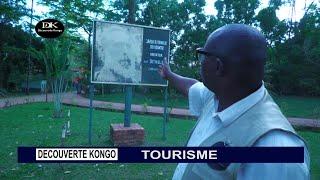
{"x":293,"y":66}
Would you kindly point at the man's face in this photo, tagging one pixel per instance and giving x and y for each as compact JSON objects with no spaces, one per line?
{"x":211,"y":69}
{"x":208,"y":75}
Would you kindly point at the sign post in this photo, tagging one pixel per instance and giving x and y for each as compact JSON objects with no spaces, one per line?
{"x":91,"y":91}
{"x":129,"y":54}
{"x":128,"y":88}
{"x":165,"y":113}
{"x":127,"y":109}
{"x":91,"y":94}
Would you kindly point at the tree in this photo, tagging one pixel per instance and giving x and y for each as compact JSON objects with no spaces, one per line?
{"x":293,"y":47}
{"x":56,"y":58}
{"x":78,"y":15}
{"x":11,"y":11}
{"x":296,"y":68}
{"x":185,"y":19}
{"x":310,"y":31}
{"x":13,"y":57}
{"x":236,"y":11}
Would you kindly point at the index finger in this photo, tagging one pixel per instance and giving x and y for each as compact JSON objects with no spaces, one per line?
{"x":165,"y":61}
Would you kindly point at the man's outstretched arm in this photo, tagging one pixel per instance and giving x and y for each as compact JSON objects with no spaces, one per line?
{"x":182,"y":84}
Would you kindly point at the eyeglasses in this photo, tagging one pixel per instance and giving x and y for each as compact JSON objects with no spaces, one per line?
{"x":202,"y":54}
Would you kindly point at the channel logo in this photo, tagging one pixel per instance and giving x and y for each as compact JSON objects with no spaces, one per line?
{"x":49,"y":28}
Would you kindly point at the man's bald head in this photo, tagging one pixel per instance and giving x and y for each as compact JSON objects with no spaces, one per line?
{"x":238,"y":41}
{"x":242,"y":51}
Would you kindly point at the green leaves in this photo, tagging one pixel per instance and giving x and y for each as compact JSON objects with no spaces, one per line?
{"x":237,"y":11}
{"x":12,"y":11}
{"x":268,"y":19}
{"x":294,"y":49}
{"x":55,"y":56}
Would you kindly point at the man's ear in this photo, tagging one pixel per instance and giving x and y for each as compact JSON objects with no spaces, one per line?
{"x":220,"y":67}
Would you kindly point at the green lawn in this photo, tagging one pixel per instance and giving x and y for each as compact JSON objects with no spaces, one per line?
{"x":292,"y":106}
{"x":32,"y":125}
{"x":150,"y":99}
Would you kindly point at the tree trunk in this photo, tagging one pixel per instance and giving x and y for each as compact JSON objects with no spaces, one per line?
{"x":59,"y":87}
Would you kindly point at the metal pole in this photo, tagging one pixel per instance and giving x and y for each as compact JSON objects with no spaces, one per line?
{"x":29,"y":58}
{"x":46,"y":92}
{"x":91,"y":91}
{"x":91,"y":87}
{"x":127,"y":111}
{"x":128,"y":88}
{"x":165,"y":115}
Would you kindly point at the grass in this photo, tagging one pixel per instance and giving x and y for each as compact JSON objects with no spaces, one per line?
{"x":294,"y":106}
{"x":32,"y":125}
{"x":291,"y":106}
{"x":151,"y":99}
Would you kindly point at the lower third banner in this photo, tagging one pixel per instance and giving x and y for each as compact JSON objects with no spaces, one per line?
{"x":161,"y":154}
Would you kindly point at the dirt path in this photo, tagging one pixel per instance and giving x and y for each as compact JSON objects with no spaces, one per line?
{"x":80,"y":101}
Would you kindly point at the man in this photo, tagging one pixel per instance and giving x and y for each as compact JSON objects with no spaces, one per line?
{"x":234,"y":108}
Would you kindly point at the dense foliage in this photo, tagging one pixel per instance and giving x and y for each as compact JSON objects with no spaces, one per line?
{"x":293,"y":66}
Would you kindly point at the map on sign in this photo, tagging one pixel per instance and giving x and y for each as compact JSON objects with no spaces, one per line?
{"x":128,"y":54}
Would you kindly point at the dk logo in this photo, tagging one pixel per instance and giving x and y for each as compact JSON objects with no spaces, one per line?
{"x":49,"y":28}
{"x":49,"y":25}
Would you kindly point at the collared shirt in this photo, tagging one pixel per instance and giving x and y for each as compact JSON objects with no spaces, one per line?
{"x":199,"y":96}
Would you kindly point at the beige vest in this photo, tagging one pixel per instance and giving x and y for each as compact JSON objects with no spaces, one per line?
{"x":244,"y":131}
